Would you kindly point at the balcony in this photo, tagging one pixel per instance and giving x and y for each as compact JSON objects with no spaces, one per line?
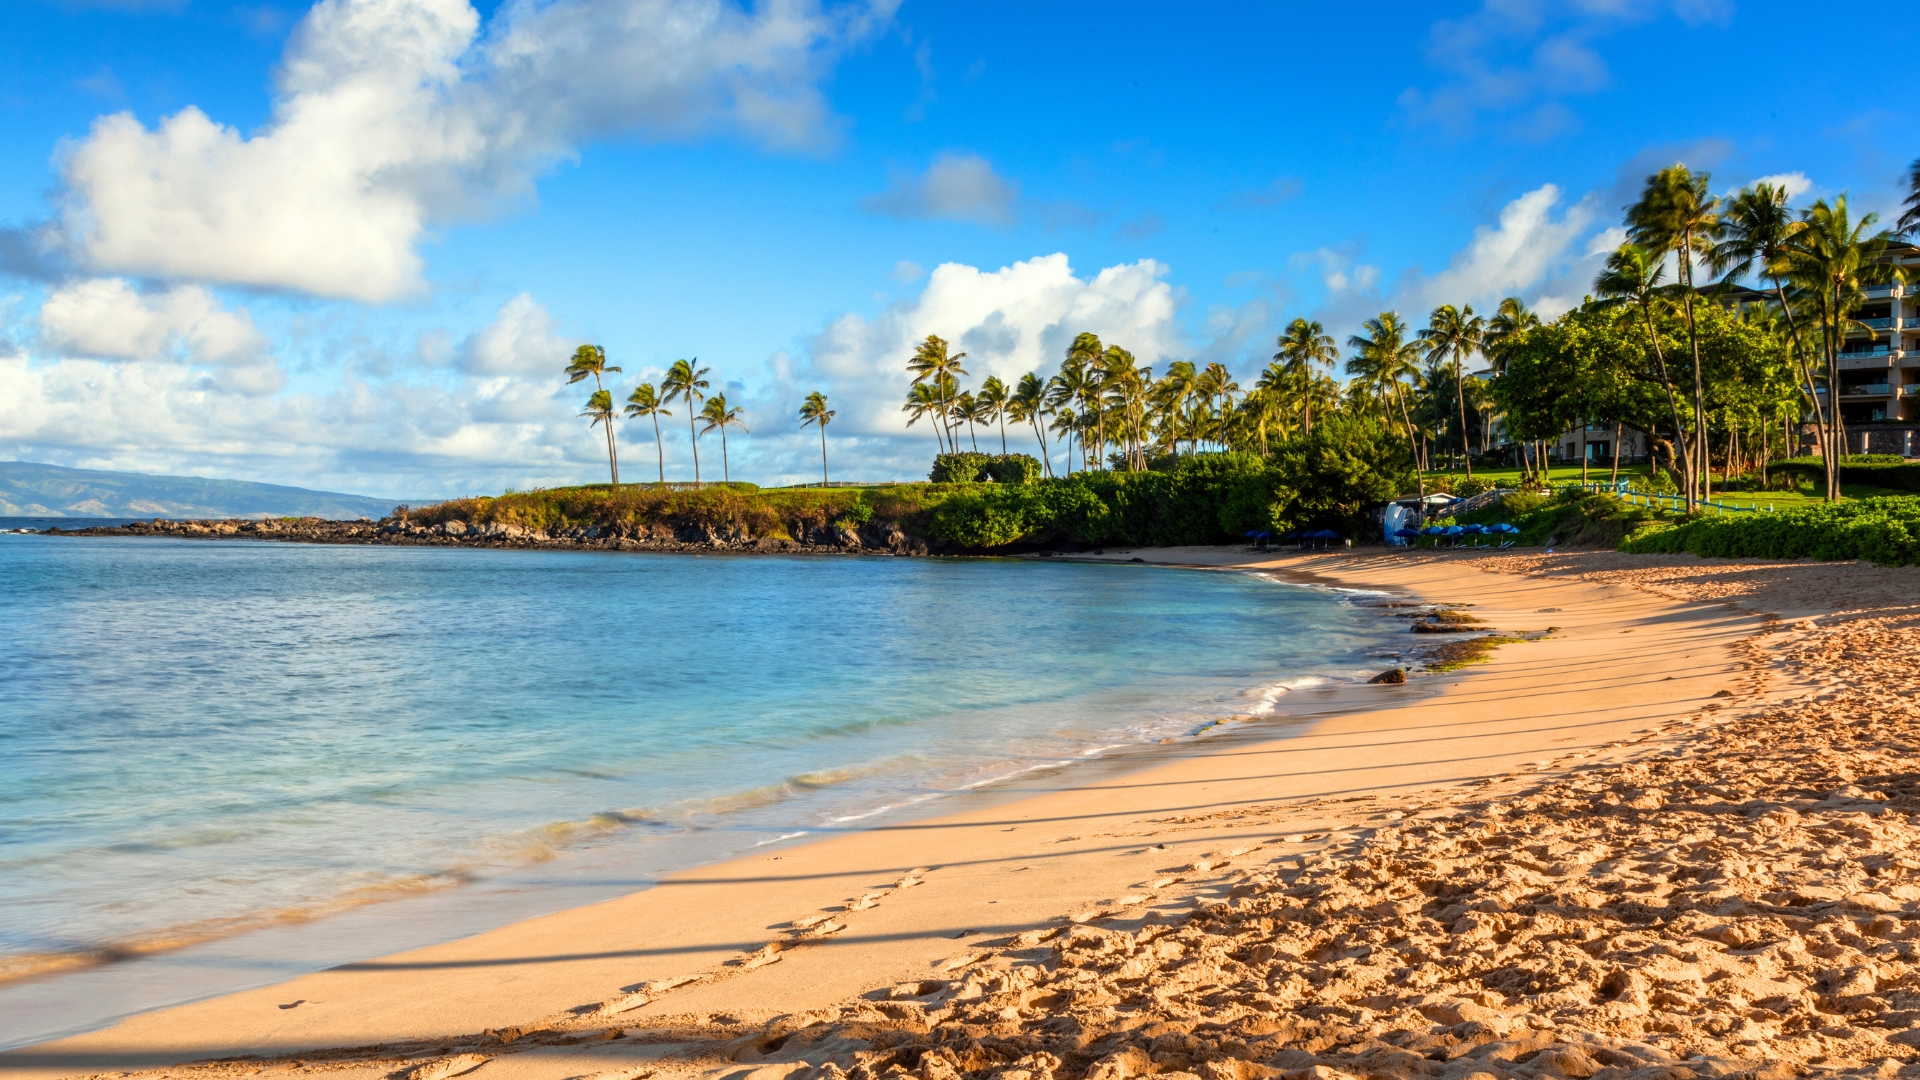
{"x":1865,"y":363}
{"x":1910,"y":390}
{"x":1879,"y":389}
{"x":1862,"y":350}
{"x":1877,"y":324}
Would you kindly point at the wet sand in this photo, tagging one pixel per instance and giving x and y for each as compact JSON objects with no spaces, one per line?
{"x":1593,"y":852}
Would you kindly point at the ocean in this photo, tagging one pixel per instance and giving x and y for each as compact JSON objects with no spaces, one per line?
{"x":207,"y":744}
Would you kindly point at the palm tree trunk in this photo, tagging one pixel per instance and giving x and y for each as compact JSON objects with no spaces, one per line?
{"x":823,"y":455}
{"x":1460,"y":398}
{"x":1001,"y":416}
{"x":1614,"y":477}
{"x":1673,"y":404}
{"x":1419,"y":478}
{"x":726,"y":469}
{"x":1046,"y":459}
{"x":1800,"y":357}
{"x":659,"y":450}
{"x":1699,"y":390}
{"x":694,"y":439}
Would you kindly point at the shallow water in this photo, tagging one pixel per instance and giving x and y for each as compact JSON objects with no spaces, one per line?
{"x":201,"y":737}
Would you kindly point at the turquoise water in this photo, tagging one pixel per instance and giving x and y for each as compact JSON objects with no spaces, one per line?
{"x":201,"y":737}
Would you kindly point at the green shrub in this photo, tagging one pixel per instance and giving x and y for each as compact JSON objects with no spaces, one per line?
{"x":1469,"y":486}
{"x":1013,"y":468}
{"x":961,"y":468}
{"x":1881,"y":530}
{"x":858,"y":514}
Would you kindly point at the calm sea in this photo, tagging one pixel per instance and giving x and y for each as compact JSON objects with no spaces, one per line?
{"x":204,"y":740}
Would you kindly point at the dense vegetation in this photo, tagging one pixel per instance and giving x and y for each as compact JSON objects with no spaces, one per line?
{"x":1880,"y":530}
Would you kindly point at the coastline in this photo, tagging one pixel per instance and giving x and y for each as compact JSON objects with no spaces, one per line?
{"x":1083,"y":842}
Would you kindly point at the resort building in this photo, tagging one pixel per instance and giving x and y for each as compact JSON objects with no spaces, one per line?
{"x":1595,"y":443}
{"x":1879,"y":387}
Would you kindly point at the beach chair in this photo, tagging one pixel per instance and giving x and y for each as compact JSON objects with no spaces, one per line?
{"x":1505,"y":544}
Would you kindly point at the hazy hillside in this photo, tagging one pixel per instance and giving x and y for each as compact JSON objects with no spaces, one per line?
{"x":32,"y":490}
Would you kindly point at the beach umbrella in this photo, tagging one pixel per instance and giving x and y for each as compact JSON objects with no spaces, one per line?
{"x":1455,"y":530}
{"x":1327,"y":534}
{"x":1433,"y":530}
{"x":1406,"y":532}
{"x":1475,"y":530}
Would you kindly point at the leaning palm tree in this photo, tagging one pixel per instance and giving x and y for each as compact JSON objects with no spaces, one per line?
{"x":923,"y":400}
{"x":1084,"y":356}
{"x":1835,"y":260}
{"x":1028,"y":404}
{"x":1677,"y":212}
{"x":1305,"y":347}
{"x":1383,"y":357}
{"x":1074,"y":386}
{"x":815,"y":411}
{"x":1759,"y":227}
{"x":1453,"y":333}
{"x":717,"y":415}
{"x":1173,"y":392}
{"x":1215,"y":384}
{"x":645,"y":402}
{"x":1632,"y":278}
{"x":600,"y":407}
{"x":991,"y":399}
{"x":592,"y":360}
{"x":931,"y":360}
{"x":685,"y":381}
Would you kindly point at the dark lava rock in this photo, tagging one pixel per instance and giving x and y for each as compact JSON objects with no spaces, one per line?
{"x":1391,"y":675}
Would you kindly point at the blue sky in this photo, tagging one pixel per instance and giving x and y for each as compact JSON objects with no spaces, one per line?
{"x":351,"y":245}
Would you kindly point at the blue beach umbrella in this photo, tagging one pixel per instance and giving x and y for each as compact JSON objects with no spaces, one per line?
{"x":1406,"y":532}
{"x":1455,"y":530}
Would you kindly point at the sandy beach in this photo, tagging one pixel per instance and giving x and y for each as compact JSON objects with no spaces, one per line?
{"x":1671,"y":837}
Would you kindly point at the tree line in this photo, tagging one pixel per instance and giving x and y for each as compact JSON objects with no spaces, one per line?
{"x":684,"y":382}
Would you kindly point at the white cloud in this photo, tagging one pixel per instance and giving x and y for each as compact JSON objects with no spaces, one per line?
{"x":1795,"y":184}
{"x":522,"y":340}
{"x":956,"y":187}
{"x":1527,"y":248}
{"x":106,"y":318}
{"x":908,"y":271}
{"x":396,"y":114}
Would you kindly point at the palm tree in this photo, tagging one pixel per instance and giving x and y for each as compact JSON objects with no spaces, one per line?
{"x":717,"y":415}
{"x":1029,"y":403}
{"x":1213,"y":384}
{"x":1759,"y":227}
{"x":1451,"y":334}
{"x":685,"y":381}
{"x":930,"y":360}
{"x":1073,"y":385}
{"x":1382,"y":358}
{"x":592,"y":360}
{"x":1126,"y":391}
{"x":815,"y":411}
{"x":1305,"y":347}
{"x":924,"y":400}
{"x":1678,"y":213}
{"x":992,"y":399}
{"x":644,"y":402}
{"x":1173,"y":393}
{"x":1511,"y":319}
{"x":1090,"y":381}
{"x":600,"y":407}
{"x":1632,"y":278}
{"x":1910,"y":220}
{"x":1836,"y":260}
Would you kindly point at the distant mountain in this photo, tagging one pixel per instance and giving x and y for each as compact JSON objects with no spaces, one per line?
{"x":28,"y":489}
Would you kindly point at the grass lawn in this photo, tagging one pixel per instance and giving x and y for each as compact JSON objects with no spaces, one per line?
{"x":1779,"y":500}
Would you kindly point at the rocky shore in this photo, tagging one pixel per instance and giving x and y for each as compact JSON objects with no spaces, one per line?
{"x":876,"y":538}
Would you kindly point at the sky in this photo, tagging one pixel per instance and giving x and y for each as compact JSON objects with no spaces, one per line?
{"x":352,"y":245}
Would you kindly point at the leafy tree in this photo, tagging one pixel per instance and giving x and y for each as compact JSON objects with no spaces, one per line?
{"x":645,"y":402}
{"x":684,"y":381}
{"x":1382,"y":358}
{"x":814,"y":411}
{"x":1334,"y":476}
{"x":1631,"y":283}
{"x":591,"y":360}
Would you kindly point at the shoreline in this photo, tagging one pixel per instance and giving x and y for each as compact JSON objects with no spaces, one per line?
{"x":490,"y":896}
{"x":410,"y":997}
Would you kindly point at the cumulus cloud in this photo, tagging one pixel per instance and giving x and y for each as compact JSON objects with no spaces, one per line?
{"x":1795,"y":184}
{"x":522,"y":339}
{"x":393,"y":115}
{"x":1527,"y":247}
{"x":105,"y":318}
{"x":956,"y":187}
